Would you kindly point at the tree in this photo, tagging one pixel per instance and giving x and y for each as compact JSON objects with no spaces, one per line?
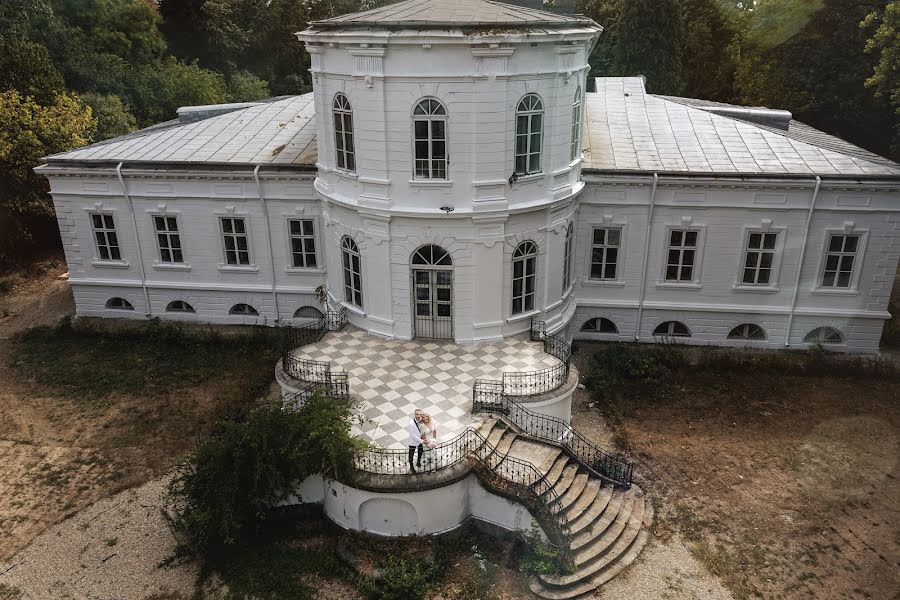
{"x":31,"y":131}
{"x":819,"y":72}
{"x":641,"y":37}
{"x":26,"y":66}
{"x":112,"y":116}
{"x":157,"y":91}
{"x":885,"y":44}
{"x":707,"y":64}
{"x":245,"y":87}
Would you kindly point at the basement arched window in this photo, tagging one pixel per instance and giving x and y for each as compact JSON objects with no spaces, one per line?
{"x":119,"y":304}
{"x":179,"y":306}
{"x":747,"y":331}
{"x":599,"y":325}
{"x":524,"y":274}
{"x":308,"y":312}
{"x":529,"y":134}
{"x":352,"y":272}
{"x":672,"y":329}
{"x":430,"y":140}
{"x":244,"y":310}
{"x":343,"y":132}
{"x":824,"y":335}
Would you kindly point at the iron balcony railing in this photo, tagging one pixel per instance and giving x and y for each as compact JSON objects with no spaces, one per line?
{"x":506,"y":475}
{"x":334,"y":383}
{"x":487,"y":396}
{"x":336,"y":390}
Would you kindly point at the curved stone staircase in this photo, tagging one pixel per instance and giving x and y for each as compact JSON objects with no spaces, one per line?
{"x":609,"y":525}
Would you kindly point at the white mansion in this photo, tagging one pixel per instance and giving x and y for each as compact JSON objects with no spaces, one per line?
{"x":450,"y":176}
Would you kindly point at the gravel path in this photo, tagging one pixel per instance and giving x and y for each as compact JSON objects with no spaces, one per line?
{"x":109,"y":551}
{"x":665,"y":571}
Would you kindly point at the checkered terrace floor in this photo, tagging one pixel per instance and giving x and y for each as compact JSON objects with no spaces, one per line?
{"x":392,"y":378}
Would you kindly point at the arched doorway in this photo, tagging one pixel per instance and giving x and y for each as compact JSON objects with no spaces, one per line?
{"x":431,"y":270}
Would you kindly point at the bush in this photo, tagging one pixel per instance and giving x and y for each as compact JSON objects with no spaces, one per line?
{"x":403,"y":580}
{"x":636,"y":371}
{"x":222,"y":495}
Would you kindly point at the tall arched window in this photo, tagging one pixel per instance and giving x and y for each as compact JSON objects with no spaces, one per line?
{"x":430,"y":139}
{"x":352,"y":272}
{"x":524,"y":269}
{"x":343,"y":132}
{"x":567,"y":258}
{"x":529,"y":133}
{"x":576,"y":124}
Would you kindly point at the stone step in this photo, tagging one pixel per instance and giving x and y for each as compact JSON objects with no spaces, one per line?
{"x":593,"y":511}
{"x":547,"y":464}
{"x":576,"y":591}
{"x":569,"y":473}
{"x":625,"y":560}
{"x":585,"y":500}
{"x":594,"y":523}
{"x":486,"y":427}
{"x":506,"y":442}
{"x":553,"y":475}
{"x":610,"y":546}
{"x":574,"y":492}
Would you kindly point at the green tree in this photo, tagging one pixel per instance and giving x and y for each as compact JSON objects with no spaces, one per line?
{"x":815,"y":65}
{"x":885,"y":44}
{"x":31,"y":131}
{"x":708,"y":30}
{"x":640,"y":37}
{"x":26,"y":66}
{"x":113,"y":117}
{"x":221,"y":495}
{"x":157,"y":91}
{"x":245,"y":87}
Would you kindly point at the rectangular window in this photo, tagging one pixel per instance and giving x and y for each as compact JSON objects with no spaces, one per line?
{"x":839,"y":261}
{"x":168,"y":240}
{"x":105,"y":236}
{"x":682,"y":255}
{"x":237,"y":247}
{"x":529,"y":129}
{"x":759,"y":258}
{"x":430,"y":148}
{"x":303,"y":243}
{"x":605,"y":253}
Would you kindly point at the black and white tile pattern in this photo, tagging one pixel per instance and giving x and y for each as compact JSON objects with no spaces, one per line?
{"x":391,"y":378}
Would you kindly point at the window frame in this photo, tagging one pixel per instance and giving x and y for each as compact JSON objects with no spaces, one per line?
{"x":430,"y":118}
{"x":345,"y":112}
{"x":605,"y":246}
{"x":599,"y":321}
{"x":291,"y":267}
{"x":694,"y":283}
{"x":347,"y":255}
{"x":160,"y":261}
{"x":568,"y":280}
{"x":128,"y":305}
{"x":746,"y":326}
{"x":858,"y":262}
{"x":529,"y":114}
{"x":179,"y":311}
{"x":774,"y":271}
{"x":250,"y":265}
{"x":105,"y":230}
{"x":577,"y":125}
{"x":672,"y":323}
{"x":842,"y":340}
{"x":252,"y":313}
{"x":528,"y":257}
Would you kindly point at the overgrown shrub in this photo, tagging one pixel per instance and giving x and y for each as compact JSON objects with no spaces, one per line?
{"x":539,"y":557}
{"x":222,"y":495}
{"x":403,"y":580}
{"x":636,"y":371}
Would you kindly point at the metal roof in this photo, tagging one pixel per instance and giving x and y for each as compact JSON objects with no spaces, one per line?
{"x":451,"y":13}
{"x":281,"y":132}
{"x":628,"y":129}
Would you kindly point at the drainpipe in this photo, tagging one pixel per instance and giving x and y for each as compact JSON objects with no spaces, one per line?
{"x":809,"y":215}
{"x":637,"y":329}
{"x":265,"y":208}
{"x":137,"y":239}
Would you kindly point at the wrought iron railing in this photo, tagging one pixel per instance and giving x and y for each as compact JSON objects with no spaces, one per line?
{"x":337,"y":390}
{"x":334,"y":382}
{"x":486,"y":398}
{"x":506,"y":475}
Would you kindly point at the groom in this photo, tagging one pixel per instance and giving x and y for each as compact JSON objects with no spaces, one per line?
{"x":415,"y":440}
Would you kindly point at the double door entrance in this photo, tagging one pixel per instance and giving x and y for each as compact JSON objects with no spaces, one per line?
{"x":433,"y":303}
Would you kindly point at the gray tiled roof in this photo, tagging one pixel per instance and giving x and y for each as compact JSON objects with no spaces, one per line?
{"x":626,"y":130}
{"x":443,"y":13}
{"x":282,"y":132}
{"x":630,"y":130}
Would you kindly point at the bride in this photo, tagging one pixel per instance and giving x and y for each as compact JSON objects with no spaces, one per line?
{"x":428,"y":431}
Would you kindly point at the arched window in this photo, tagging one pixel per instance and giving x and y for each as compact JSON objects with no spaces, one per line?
{"x":824,"y":335}
{"x":244,"y":310}
{"x":307,"y":312}
{"x":529,"y":133}
{"x":672,"y":329}
{"x":524,"y":268}
{"x":430,"y":140}
{"x":599,"y":325}
{"x":343,"y":132}
{"x":119,"y":304}
{"x":432,"y":255}
{"x":179,"y":306}
{"x":567,"y":258}
{"x":576,"y":124}
{"x":747,"y":331}
{"x":352,"y":272}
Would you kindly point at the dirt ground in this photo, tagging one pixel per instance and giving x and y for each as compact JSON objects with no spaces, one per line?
{"x":783,"y":487}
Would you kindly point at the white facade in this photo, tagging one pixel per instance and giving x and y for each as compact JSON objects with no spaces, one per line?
{"x":380,"y":203}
